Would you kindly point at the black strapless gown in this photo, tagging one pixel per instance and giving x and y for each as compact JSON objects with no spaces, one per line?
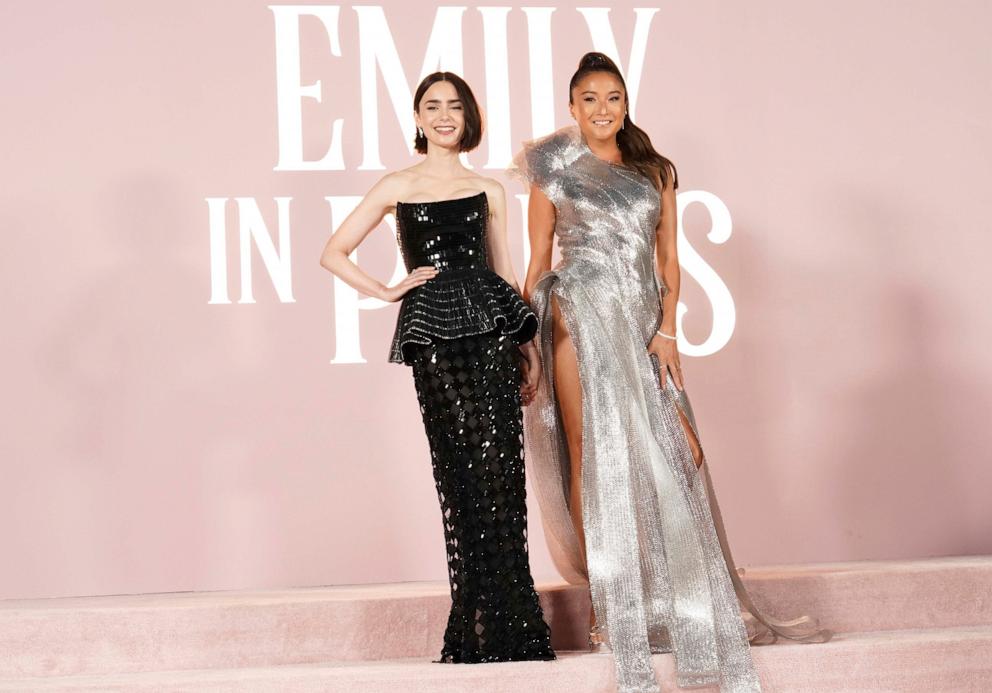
{"x":460,"y":333}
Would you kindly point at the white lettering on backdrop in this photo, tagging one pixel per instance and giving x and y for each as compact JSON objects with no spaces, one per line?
{"x":378,"y":56}
{"x":251,"y":227}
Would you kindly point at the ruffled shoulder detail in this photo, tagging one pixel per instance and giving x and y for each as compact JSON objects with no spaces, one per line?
{"x":542,"y":161}
{"x":460,"y":303}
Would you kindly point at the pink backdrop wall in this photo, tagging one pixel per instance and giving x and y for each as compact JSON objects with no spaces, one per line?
{"x":155,"y":442}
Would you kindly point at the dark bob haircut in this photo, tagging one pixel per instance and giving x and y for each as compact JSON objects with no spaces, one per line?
{"x":472,"y":130}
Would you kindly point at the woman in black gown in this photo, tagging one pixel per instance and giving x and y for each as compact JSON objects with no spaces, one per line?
{"x":463,"y":328}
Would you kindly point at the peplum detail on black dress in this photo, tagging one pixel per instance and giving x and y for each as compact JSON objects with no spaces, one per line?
{"x":466,"y":297}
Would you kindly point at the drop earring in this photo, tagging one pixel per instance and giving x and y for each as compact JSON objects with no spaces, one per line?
{"x":420,"y":131}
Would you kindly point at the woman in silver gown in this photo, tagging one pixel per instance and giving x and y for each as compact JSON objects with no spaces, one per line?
{"x":613,"y":447}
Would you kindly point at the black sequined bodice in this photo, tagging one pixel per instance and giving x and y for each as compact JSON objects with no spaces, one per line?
{"x":466,"y":297}
{"x":450,"y":234}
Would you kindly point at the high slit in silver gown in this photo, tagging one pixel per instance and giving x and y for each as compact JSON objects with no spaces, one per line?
{"x":660,"y":574}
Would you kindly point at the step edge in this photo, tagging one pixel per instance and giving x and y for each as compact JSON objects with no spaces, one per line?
{"x":966,"y":633}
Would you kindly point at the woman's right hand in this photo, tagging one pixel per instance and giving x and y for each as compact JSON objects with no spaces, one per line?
{"x":417,"y":277}
{"x":530,"y":366}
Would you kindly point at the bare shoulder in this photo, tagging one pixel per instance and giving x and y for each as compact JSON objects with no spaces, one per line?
{"x":493,"y":189}
{"x":671,"y":178}
{"x":666,"y":185}
{"x":392,"y":187}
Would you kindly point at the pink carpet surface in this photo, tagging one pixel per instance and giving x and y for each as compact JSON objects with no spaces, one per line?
{"x":923,"y":625}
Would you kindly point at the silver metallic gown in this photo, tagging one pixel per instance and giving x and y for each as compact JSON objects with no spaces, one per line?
{"x":659,"y":571}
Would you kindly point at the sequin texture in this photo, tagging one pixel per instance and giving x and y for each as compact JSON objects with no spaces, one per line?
{"x":460,"y":333}
{"x":469,"y":394}
{"x":658,"y":565}
{"x":466,"y":297}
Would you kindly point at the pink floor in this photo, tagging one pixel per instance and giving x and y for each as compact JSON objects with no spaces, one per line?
{"x":901,"y":626}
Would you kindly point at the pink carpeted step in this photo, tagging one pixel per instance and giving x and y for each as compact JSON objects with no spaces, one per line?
{"x":950,"y":660}
{"x":880,"y":595}
{"x":225,"y":630}
{"x":63,"y":637}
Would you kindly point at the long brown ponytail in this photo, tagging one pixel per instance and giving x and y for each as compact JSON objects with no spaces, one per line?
{"x":635,"y":145}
